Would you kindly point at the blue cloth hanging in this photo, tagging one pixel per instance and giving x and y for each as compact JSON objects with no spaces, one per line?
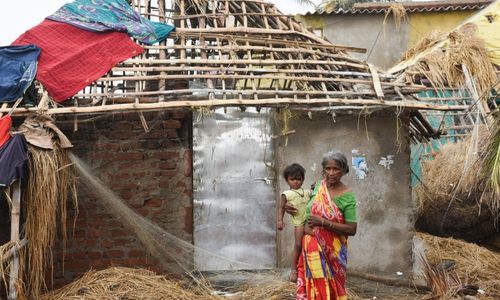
{"x":18,"y":65}
{"x":118,"y":15}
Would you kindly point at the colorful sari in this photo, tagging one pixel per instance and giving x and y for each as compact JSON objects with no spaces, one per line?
{"x":322,"y":265}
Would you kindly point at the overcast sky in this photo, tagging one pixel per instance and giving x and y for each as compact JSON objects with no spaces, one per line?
{"x":20,"y":15}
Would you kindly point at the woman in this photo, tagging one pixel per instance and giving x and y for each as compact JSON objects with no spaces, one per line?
{"x":331,"y":219}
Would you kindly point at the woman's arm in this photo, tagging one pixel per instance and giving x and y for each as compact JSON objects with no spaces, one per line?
{"x":346,"y":229}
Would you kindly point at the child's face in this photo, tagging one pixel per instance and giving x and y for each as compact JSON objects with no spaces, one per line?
{"x":294,"y":182}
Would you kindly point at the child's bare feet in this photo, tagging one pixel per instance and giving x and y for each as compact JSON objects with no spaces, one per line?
{"x":293,"y":276}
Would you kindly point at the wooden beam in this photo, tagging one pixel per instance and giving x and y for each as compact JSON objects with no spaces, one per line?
{"x":14,"y":237}
{"x":241,"y":102}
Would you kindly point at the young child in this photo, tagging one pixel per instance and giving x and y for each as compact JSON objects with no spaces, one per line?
{"x":298,"y":197}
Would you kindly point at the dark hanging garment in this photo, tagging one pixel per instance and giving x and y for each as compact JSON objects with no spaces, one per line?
{"x":14,"y":161}
{"x":18,"y":67}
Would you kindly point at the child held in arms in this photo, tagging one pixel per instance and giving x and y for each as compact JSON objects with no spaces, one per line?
{"x":297,"y":197}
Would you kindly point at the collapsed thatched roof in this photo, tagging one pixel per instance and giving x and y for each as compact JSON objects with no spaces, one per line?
{"x":439,"y":58}
{"x":236,"y":52}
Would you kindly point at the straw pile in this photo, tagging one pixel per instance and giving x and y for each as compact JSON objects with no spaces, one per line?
{"x":125,"y":283}
{"x":51,"y":179}
{"x":398,"y":12}
{"x":443,"y":67}
{"x":491,"y":164}
{"x":427,"y":42}
{"x":452,"y":200}
{"x":473,"y":264}
{"x":273,"y":290}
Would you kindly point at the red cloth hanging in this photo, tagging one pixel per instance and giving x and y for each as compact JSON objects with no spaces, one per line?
{"x":73,"y":58}
{"x":5,"y":125}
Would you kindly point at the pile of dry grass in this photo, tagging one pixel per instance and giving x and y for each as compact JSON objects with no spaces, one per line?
{"x":125,"y":283}
{"x":128,"y":283}
{"x":51,"y":179}
{"x":453,"y":190}
{"x":443,"y":67}
{"x":398,"y":12}
{"x":474,"y":264}
{"x":491,"y":163}
{"x":272,"y":290}
{"x":425,"y":43}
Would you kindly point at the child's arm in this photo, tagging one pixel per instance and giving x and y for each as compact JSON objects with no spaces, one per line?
{"x":281,"y":212}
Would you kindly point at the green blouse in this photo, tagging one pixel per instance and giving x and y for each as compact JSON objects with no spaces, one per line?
{"x":346,"y":202}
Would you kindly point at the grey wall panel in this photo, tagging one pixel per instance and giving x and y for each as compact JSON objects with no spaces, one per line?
{"x":234,"y":213}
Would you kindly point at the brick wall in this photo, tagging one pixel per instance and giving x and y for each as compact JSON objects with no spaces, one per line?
{"x":150,"y":171}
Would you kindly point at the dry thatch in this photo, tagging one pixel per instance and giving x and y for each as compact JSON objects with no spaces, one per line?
{"x":453,"y":190}
{"x":50,"y":182}
{"x":443,"y":67}
{"x":237,"y":53}
{"x":425,"y":43}
{"x":473,"y":264}
{"x":491,"y":163}
{"x":125,"y":283}
{"x":128,"y":283}
{"x":398,"y":12}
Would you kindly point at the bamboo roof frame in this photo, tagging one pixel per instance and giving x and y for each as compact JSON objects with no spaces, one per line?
{"x":235,"y":53}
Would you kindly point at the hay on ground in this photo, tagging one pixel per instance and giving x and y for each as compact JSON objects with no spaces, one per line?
{"x":453,"y":190}
{"x":473,"y":264}
{"x":125,"y":283}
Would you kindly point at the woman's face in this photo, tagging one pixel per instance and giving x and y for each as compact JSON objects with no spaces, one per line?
{"x":333,"y":172}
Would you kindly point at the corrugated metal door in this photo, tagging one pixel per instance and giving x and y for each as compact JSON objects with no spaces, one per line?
{"x":234,"y":205}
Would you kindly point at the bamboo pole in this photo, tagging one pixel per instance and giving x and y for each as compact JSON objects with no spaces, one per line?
{"x":250,"y":76}
{"x":266,"y":62}
{"x":387,"y":280}
{"x":14,"y":237}
{"x":276,"y":93}
{"x":238,"y":102}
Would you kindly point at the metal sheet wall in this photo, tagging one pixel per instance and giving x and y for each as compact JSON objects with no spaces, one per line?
{"x":234,"y":201}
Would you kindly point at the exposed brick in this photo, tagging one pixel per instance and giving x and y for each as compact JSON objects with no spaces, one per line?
{"x":188,"y":163}
{"x":188,"y":219}
{"x":120,"y":233}
{"x":179,"y":115}
{"x":153,"y":203}
{"x":135,"y":262}
{"x":136,"y":253}
{"x":167,"y":165}
{"x":129,"y":156}
{"x":77,"y":255}
{"x":94,"y":254}
{"x":166,"y":154}
{"x":151,"y":172}
{"x":172,"y":124}
{"x":114,"y":254}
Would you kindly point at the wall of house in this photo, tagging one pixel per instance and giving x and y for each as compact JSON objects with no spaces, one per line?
{"x":385,"y":42}
{"x":383,"y":243}
{"x":150,"y":171}
{"x":424,"y":23}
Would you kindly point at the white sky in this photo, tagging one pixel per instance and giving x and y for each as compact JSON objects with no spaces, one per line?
{"x":20,"y":15}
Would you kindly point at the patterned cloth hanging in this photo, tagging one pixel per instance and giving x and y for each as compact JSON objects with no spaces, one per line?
{"x":105,"y":15}
{"x":73,"y":58}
